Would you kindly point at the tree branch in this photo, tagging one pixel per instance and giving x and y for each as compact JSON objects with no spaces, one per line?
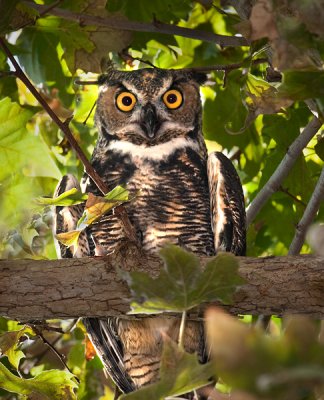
{"x":135,"y":26}
{"x":308,"y":216}
{"x":273,"y":184}
{"x":71,"y":288}
{"x":120,"y":211}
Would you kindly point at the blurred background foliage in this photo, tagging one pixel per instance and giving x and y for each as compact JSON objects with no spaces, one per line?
{"x":252,"y":114}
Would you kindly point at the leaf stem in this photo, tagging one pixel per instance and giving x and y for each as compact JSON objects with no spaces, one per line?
{"x":182,"y":329}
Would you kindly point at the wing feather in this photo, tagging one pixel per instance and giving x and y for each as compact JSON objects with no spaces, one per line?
{"x":227,"y":205}
{"x":104,"y":337}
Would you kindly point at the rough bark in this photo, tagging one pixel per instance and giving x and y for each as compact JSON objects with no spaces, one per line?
{"x":72,"y":288}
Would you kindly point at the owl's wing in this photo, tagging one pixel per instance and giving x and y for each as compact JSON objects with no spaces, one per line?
{"x":104,"y":337}
{"x":227,"y":205}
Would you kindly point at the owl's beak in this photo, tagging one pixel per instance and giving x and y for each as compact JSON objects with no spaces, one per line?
{"x":149,"y":120}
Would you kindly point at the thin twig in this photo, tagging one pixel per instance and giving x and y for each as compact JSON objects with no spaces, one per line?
{"x":39,"y":357}
{"x":128,"y":228}
{"x":283,"y":169}
{"x":284,"y":190}
{"x":310,"y":213}
{"x":60,"y":356}
{"x":135,"y":26}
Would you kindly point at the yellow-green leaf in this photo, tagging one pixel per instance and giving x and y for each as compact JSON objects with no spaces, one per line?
{"x":69,"y":238}
{"x":9,"y":345}
{"x":68,"y":198}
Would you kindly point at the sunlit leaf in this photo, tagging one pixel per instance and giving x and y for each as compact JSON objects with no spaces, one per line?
{"x":48,"y":385}
{"x":69,"y":238}
{"x":180,"y":373}
{"x":68,"y":198}
{"x":119,"y":193}
{"x":9,"y":345}
{"x":263,"y":98}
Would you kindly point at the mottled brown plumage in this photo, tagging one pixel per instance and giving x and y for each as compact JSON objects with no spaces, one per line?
{"x":150,"y":138}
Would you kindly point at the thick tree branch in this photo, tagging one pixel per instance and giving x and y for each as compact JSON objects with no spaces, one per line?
{"x":70,"y":288}
{"x":308,"y":216}
{"x":154,"y":27}
{"x":273,"y":184}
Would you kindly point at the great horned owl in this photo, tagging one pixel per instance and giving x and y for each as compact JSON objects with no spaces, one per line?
{"x":150,"y":138}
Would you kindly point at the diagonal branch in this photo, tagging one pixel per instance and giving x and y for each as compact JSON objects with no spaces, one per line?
{"x":308,"y":216}
{"x":135,"y":26}
{"x":283,"y":169}
{"x":129,"y":230}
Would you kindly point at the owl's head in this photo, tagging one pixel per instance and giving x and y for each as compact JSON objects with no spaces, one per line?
{"x":149,"y":106}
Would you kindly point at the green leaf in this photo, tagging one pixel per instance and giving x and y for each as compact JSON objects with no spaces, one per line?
{"x":183,"y":284}
{"x":7,"y":9}
{"x":301,"y":85}
{"x":69,"y":198}
{"x":48,"y":385}
{"x":180,"y":373}
{"x":21,"y":151}
{"x":9,"y":343}
{"x":263,"y":98}
{"x":38,"y":47}
{"x":220,"y":276}
{"x":145,"y":10}
{"x":319,"y":148}
{"x":85,"y":46}
{"x":119,"y":193}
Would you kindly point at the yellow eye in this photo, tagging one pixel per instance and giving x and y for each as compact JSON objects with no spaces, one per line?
{"x":172,"y":99}
{"x":126,"y":101}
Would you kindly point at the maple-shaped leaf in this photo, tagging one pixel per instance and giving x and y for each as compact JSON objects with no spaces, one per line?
{"x":183,"y":283}
{"x":68,"y":198}
{"x":180,"y":373}
{"x":9,"y":345}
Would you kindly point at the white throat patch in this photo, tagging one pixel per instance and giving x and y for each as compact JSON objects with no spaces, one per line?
{"x":157,"y":152}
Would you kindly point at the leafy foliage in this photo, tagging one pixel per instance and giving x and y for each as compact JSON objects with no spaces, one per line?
{"x":252,"y":113}
{"x":290,"y":366}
